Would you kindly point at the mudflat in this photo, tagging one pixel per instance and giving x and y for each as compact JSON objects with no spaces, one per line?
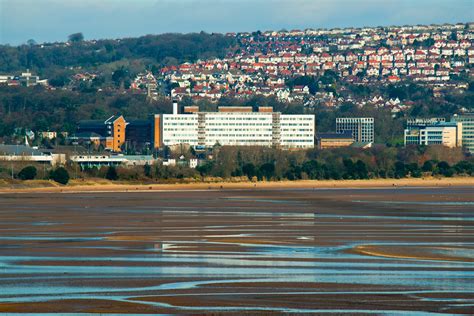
{"x":359,"y":250}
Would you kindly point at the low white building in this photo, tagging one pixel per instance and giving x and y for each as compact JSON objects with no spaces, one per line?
{"x":23,"y":153}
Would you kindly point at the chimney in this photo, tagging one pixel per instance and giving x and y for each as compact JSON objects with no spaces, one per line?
{"x":175,"y":106}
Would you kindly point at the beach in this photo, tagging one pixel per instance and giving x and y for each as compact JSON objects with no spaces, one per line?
{"x":391,"y":247}
{"x":111,"y":186}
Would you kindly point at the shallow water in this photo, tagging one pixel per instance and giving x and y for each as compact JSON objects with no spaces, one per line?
{"x":310,"y":244}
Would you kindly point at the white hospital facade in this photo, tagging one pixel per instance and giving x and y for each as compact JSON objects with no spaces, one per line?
{"x":237,"y":126}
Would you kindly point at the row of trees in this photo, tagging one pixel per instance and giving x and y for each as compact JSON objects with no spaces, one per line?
{"x":343,"y":163}
{"x":59,"y":175}
{"x":275,"y":164}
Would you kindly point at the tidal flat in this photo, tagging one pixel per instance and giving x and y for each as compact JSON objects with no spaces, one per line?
{"x":400,"y":250}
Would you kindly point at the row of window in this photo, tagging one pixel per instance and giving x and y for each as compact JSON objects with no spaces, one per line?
{"x":298,"y":141}
{"x":233,"y":118}
{"x":238,"y":124}
{"x":239,"y":135}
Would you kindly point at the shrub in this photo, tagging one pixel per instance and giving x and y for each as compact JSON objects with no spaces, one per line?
{"x":427,"y":166}
{"x":464,"y":167}
{"x":60,"y":175}
{"x":147,"y":171}
{"x":400,"y":170}
{"x":111,"y":174}
{"x":27,"y":173}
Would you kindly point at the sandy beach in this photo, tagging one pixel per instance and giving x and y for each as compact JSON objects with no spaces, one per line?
{"x":108,"y":186}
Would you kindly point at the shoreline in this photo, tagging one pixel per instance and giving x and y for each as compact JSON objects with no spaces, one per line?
{"x":101,"y":187}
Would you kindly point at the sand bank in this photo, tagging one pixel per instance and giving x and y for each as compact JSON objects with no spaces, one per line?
{"x":102,"y":186}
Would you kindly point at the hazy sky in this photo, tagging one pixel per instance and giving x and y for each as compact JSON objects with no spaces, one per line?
{"x":54,"y":20}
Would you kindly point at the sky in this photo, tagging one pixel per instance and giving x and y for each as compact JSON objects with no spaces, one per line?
{"x":54,"y":20}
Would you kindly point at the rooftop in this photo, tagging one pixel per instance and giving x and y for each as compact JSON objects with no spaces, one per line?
{"x":19,"y":150}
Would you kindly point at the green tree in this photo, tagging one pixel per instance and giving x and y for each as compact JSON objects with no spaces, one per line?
{"x":360,"y":169}
{"x":349,"y":169}
{"x":60,"y":175}
{"x":400,"y":170}
{"x":111,"y":173}
{"x":313,"y":169}
{"x":147,"y":170}
{"x":267,"y":170}
{"x":445,"y":169}
{"x":76,"y":37}
{"x":249,"y":170}
{"x":27,"y":173}
{"x":427,"y":166}
{"x":414,"y":170}
{"x":464,"y":167}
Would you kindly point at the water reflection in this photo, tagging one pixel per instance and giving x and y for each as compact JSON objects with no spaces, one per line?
{"x":129,"y":253}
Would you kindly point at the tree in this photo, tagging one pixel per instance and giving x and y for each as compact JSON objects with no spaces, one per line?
{"x":111,"y":173}
{"x":147,"y":170}
{"x":267,"y":170}
{"x":427,"y":166}
{"x":350,"y":169}
{"x":120,"y":77}
{"x":59,"y":79}
{"x":445,"y":169}
{"x":313,"y":169}
{"x":465,"y":167}
{"x":27,"y":173}
{"x":76,"y":37}
{"x":249,"y":170}
{"x":361,"y":170}
{"x":400,"y":170}
{"x":414,"y":170}
{"x":60,"y":175}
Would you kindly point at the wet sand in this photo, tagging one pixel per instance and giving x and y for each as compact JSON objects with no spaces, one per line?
{"x":386,"y":250}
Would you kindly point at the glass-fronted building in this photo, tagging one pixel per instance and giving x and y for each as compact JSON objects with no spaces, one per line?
{"x":362,"y":128}
{"x":467,"y":120}
{"x":433,"y":132}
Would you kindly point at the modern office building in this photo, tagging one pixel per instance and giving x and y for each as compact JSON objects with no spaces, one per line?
{"x":433,"y":132}
{"x":109,"y":133}
{"x":138,"y":133}
{"x":362,"y":128}
{"x":467,"y":121}
{"x":234,"y":126}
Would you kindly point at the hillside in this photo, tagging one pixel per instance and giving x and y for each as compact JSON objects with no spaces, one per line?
{"x":151,"y":49}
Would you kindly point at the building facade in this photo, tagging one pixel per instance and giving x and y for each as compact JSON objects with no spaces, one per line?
{"x":467,"y":121}
{"x":433,"y":132}
{"x":109,"y":133}
{"x":236,"y":127}
{"x":334,"y":140}
{"x":362,"y":128}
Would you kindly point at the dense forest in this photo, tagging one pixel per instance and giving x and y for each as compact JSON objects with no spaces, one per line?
{"x":150,"y":50}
